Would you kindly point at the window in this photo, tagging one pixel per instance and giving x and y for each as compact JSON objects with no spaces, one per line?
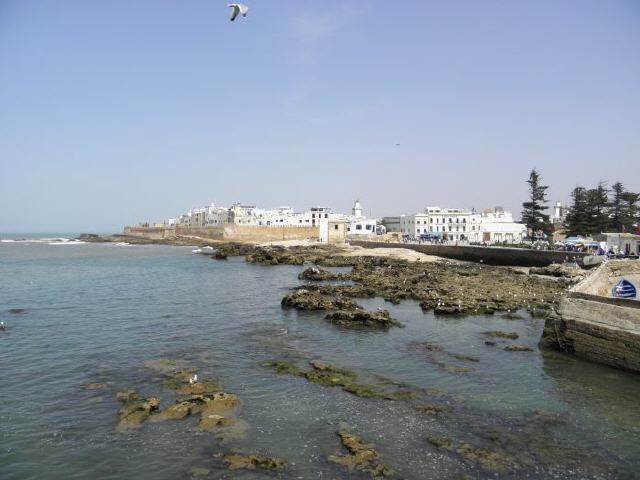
{"x":358,"y":227}
{"x":326,"y":215}
{"x":368,"y":227}
{"x":335,"y":227}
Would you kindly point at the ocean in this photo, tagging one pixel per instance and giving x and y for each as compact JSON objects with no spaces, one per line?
{"x":95,"y":315}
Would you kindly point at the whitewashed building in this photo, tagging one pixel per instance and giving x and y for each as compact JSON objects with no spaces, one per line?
{"x":435,"y":222}
{"x":242,"y":214}
{"x":496,"y":226}
{"x":358,"y":224}
{"x":216,"y":216}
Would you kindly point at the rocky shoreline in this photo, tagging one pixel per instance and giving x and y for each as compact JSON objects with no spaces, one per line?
{"x":443,"y":287}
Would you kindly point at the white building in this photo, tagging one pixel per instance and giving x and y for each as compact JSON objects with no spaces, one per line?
{"x":559,"y":214}
{"x":455,"y":224}
{"x":242,"y":214}
{"x":283,"y":217}
{"x":496,"y":226}
{"x":445,"y":223}
{"x":216,"y":216}
{"x":358,"y":224}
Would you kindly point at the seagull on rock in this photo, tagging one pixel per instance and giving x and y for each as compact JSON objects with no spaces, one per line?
{"x":238,"y":9}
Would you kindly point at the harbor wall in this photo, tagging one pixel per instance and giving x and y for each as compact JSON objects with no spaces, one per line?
{"x":227,"y":232}
{"x":490,"y":255}
{"x":595,"y":326}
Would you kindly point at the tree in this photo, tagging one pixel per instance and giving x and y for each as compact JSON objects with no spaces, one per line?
{"x":533,"y":215}
{"x":630,"y":210}
{"x":597,"y":209}
{"x":617,"y":208}
{"x":577,"y":220}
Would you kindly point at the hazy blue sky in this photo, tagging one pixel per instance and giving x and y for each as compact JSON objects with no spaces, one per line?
{"x":115,"y":111}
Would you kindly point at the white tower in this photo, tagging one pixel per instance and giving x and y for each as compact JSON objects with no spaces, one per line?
{"x":356,"y":211}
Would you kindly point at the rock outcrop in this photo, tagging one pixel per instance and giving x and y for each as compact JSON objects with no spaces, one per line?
{"x":379,"y":319}
{"x":136,"y":409}
{"x":237,"y":460}
{"x":303,"y":299}
{"x":360,"y":456}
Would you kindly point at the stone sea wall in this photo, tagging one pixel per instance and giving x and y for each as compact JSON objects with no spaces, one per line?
{"x":489,"y":255}
{"x":598,"y":327}
{"x":227,"y":232}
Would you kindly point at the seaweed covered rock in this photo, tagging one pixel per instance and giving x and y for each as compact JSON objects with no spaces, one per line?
{"x":232,"y":249}
{"x":485,"y":458}
{"x":360,"y":456}
{"x":379,"y":319}
{"x":209,"y":404}
{"x":214,"y":421}
{"x":236,"y":460}
{"x":303,"y":299}
{"x":517,"y":348}
{"x":317,"y":274}
{"x":500,"y":334}
{"x":275,"y":256}
{"x":181,"y":382}
{"x":432,"y":409}
{"x":331,"y":376}
{"x":136,"y":409}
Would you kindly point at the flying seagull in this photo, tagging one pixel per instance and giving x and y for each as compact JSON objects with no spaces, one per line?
{"x":238,"y":9}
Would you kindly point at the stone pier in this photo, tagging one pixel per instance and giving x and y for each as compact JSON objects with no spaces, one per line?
{"x":591,"y":324}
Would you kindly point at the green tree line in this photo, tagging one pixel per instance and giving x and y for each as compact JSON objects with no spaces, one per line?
{"x":593,"y":210}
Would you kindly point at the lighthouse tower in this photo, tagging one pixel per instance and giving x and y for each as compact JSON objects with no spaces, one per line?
{"x":356,"y":211}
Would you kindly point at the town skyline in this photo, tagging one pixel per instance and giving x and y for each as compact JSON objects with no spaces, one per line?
{"x":113,"y":112}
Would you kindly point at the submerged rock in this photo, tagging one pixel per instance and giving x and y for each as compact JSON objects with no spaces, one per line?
{"x":236,"y":460}
{"x":500,"y":334}
{"x":379,"y":319}
{"x":331,"y":376}
{"x":360,"y":456}
{"x":518,"y":348}
{"x":199,"y":472}
{"x":485,"y":458}
{"x":136,"y":409}
{"x":17,"y":311}
{"x":433,"y":410}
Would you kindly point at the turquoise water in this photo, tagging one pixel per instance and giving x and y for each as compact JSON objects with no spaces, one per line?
{"x":96,"y":313}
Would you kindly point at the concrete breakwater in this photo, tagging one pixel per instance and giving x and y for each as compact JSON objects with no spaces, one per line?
{"x":488,"y":255}
{"x":589,"y":323}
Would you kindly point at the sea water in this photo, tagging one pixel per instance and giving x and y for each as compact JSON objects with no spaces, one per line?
{"x":94,"y":314}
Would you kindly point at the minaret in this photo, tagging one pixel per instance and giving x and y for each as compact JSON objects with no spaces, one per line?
{"x":356,"y":211}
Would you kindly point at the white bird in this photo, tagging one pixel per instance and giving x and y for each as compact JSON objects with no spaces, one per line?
{"x":238,"y":9}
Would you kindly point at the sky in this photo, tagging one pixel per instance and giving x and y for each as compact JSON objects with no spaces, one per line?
{"x":116,"y":112}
